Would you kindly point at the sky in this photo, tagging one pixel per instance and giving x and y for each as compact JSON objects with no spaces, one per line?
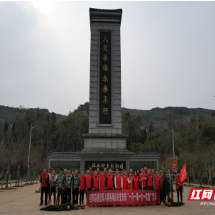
{"x":167,"y":54}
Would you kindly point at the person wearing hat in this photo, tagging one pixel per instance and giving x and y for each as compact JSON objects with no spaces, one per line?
{"x":179,"y":185}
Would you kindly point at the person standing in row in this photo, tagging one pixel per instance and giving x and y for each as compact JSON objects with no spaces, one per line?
{"x":142,"y":179}
{"x":102,"y":180}
{"x":64,"y":191}
{"x":68,"y":185}
{"x":130,"y":181}
{"x":179,"y":186}
{"x":48,"y":185}
{"x":53,"y":182}
{"x":135,"y":181}
{"x":150,"y":180}
{"x":44,"y":180}
{"x":82,"y":187}
{"x":125,"y":181}
{"x":89,"y":181}
{"x":60,"y":180}
{"x":145,"y":169}
{"x":157,"y":181}
{"x":110,"y":180}
{"x":95,"y":181}
{"x":75,"y":187}
{"x":118,"y":181}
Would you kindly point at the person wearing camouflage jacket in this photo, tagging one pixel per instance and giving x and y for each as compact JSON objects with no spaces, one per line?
{"x":75,"y":187}
{"x":60,"y":180}
{"x":68,"y":185}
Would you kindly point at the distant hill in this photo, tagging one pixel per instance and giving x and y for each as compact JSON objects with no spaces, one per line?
{"x":155,"y":115}
{"x":9,"y":114}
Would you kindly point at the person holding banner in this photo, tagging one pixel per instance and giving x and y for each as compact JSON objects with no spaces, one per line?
{"x":157,"y":179}
{"x":82,"y":186}
{"x":136,"y":181}
{"x":110,"y":180}
{"x":130,"y":181}
{"x":150,"y":180}
{"x":117,"y":181}
{"x":89,"y":181}
{"x":95,"y":181}
{"x":125,"y":181}
{"x":102,"y":180}
{"x":179,"y":186}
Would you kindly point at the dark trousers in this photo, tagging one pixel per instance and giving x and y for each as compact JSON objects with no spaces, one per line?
{"x":49,"y":191}
{"x":81,"y":197}
{"x":144,"y":188}
{"x":43,"y":189}
{"x":179,"y":191}
{"x":150,"y":187}
{"x":53,"y":191}
{"x":68,"y":195}
{"x":60,"y":195}
{"x":75,"y":195}
{"x":64,"y":196}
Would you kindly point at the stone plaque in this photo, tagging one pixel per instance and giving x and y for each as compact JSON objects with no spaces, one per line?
{"x":120,"y":165}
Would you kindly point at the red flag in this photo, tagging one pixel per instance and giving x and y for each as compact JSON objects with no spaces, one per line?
{"x":183,"y":173}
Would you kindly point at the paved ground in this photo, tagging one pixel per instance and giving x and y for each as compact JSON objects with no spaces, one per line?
{"x":24,"y":200}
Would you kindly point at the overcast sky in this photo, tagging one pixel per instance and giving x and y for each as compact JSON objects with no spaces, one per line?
{"x":167,"y":50}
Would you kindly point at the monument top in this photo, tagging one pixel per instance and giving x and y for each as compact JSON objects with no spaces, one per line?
{"x":105,"y":15}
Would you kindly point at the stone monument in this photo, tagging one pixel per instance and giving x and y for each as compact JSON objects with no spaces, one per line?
{"x":105,"y":145}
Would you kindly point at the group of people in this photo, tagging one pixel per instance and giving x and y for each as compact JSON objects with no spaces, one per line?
{"x":67,"y":182}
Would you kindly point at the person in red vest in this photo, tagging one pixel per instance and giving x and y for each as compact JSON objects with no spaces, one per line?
{"x":136,"y":181}
{"x":130,"y":181}
{"x":122,"y":173}
{"x":142,"y":179}
{"x":117,"y":181}
{"x":157,"y":179}
{"x":153,"y":173}
{"x":82,"y":186}
{"x":150,"y":180}
{"x":145,"y":169}
{"x":109,"y":180}
{"x":95,"y":181}
{"x":131,"y":171}
{"x":125,"y":181}
{"x":98,"y":172}
{"x":102,"y":180}
{"x":138,"y":172}
{"x":88,"y":180}
{"x":91,"y":172}
{"x":105,"y":172}
{"x":44,"y":180}
{"x":179,"y":185}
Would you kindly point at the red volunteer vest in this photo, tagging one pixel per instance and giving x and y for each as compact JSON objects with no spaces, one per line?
{"x":161,"y":183}
{"x":102,"y":183}
{"x":178,"y":180}
{"x":88,"y":181}
{"x":118,"y":182}
{"x":136,"y":182}
{"x":130,"y":186}
{"x":44,"y":179}
{"x":82,"y":184}
{"x":157,"y":182}
{"x":125,"y":182}
{"x":109,"y":181}
{"x":96,"y":182}
{"x":149,"y":180}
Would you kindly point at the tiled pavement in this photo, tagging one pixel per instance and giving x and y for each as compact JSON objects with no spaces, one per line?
{"x":24,"y":200}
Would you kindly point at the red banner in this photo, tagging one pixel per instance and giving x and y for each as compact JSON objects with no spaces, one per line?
{"x":183,"y":173}
{"x":123,"y":197}
{"x":174,"y":166}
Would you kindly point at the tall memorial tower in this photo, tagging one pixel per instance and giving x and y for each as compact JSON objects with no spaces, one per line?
{"x":104,"y":144}
{"x":105,"y":139}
